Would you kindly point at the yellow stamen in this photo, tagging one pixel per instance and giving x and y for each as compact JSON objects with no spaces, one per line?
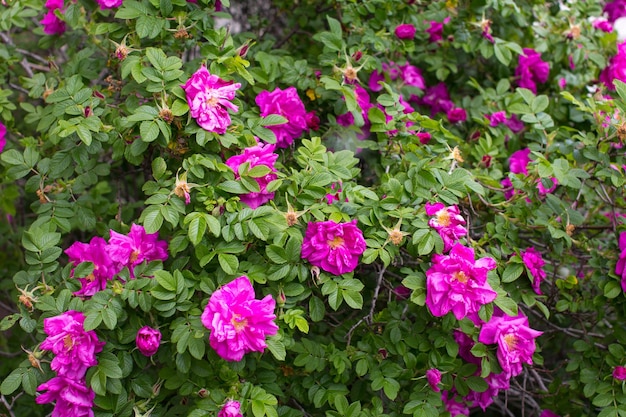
{"x":443,"y":218}
{"x":238,"y":323}
{"x":460,"y":276}
{"x":511,"y":341}
{"x":134,"y":256}
{"x":68,"y":342}
{"x":212,"y":101}
{"x":336,"y":242}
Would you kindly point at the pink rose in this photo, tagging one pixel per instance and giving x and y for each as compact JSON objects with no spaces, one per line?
{"x":148,"y":340}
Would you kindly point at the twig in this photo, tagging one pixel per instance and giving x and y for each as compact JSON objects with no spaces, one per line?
{"x":370,"y":317}
{"x":8,"y":406}
{"x":538,"y":379}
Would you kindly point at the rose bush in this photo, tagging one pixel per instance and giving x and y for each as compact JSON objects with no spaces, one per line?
{"x":322,"y":208}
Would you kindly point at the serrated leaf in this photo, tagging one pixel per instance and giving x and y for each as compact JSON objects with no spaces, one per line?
{"x":228,"y":262}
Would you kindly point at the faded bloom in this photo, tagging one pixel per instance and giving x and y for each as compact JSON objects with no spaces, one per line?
{"x":448,"y":222}
{"x":619,"y":373}
{"x":75,"y":349}
{"x":616,"y":69}
{"x":515,"y":340}
{"x":109,"y":4}
{"x":209,"y":98}
{"x":456,"y":115}
{"x":534,"y":262}
{"x":238,"y":322}
{"x":182,"y":188}
{"x":288,"y":104}
{"x":230,"y":409}
{"x":104,"y":269}
{"x":3,"y":136}
{"x":334,"y":247}
{"x":531,"y":70}
{"x":73,"y":397}
{"x":434,"y":378}
{"x":405,"y":31}
{"x":259,"y":155}
{"x":148,"y":340}
{"x":457,"y":283}
{"x":136,"y":247}
{"x":519,"y":160}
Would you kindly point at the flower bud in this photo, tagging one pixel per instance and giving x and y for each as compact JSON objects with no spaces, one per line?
{"x":148,"y":340}
{"x":619,"y":373}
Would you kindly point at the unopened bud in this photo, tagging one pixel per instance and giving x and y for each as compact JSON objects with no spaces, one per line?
{"x":203,"y":393}
{"x":281,"y":299}
{"x":357,"y":56}
{"x":88,"y":112}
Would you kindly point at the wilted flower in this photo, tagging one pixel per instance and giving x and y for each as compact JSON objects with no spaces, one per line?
{"x":457,"y":283}
{"x":136,"y":247}
{"x":434,"y":378}
{"x":619,"y":373}
{"x":259,"y":155}
{"x":74,"y":349}
{"x":148,"y":340}
{"x":531,"y":70}
{"x":73,"y":397}
{"x":534,"y":262}
{"x":238,"y":322}
{"x":182,"y":188}
{"x":109,"y":4}
{"x":104,"y":269}
{"x":515,"y":340}
{"x":405,"y":31}
{"x":209,"y":97}
{"x":288,"y":104}
{"x":334,"y":247}
{"x":230,"y":409}
{"x":448,"y":222}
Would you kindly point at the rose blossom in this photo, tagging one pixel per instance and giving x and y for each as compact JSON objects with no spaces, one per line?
{"x":73,"y":397}
{"x":531,"y":70}
{"x":603,"y":25}
{"x":620,"y":267}
{"x":619,"y":373}
{"x":548,"y":413}
{"x":136,"y":247}
{"x":209,"y":97}
{"x":616,"y":69}
{"x":457,"y":283}
{"x":433,"y":376}
{"x":456,"y":115}
{"x":515,"y":340}
{"x":96,"y":252}
{"x":519,"y":160}
{"x":405,"y":31}
{"x":334,"y":247}
{"x":109,"y":4}
{"x":411,"y":75}
{"x":452,"y":406}
{"x":75,"y":349}
{"x":448,"y":222}
{"x":435,"y":30}
{"x":238,"y":322}
{"x":496,"y":382}
{"x":148,"y":340}
{"x":288,"y":104}
{"x":52,"y":25}
{"x":437,"y":98}
{"x":534,"y":262}
{"x":230,"y":409}
{"x":496,"y":118}
{"x":615,"y":9}
{"x":260,"y":155}
{"x":3,"y":136}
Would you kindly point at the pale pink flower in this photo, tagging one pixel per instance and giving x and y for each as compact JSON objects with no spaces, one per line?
{"x":534,"y":262}
{"x":136,"y":247}
{"x":457,"y":283}
{"x":73,"y":397}
{"x":230,"y":409}
{"x":515,"y":340}
{"x":148,"y":340}
{"x":619,"y":373}
{"x":261,"y":154}
{"x":519,"y":160}
{"x":453,"y":405}
{"x":405,"y":31}
{"x":104,"y":269}
{"x":433,"y":376}
{"x":74,"y":349}
{"x":109,"y":4}
{"x":3,"y":136}
{"x":238,"y":322}
{"x":448,"y":222}
{"x":209,"y":98}
{"x":531,"y":70}
{"x":286,"y":103}
{"x":334,"y":247}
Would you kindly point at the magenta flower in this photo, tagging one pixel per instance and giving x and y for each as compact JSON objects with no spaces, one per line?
{"x":616,"y":69}
{"x":433,"y":376}
{"x":519,"y":160}
{"x":620,"y":267}
{"x":312,"y":120}
{"x":437,"y":98}
{"x":619,"y":373}
{"x":548,"y":413}
{"x":515,"y":340}
{"x":496,"y":382}
{"x":363,"y":102}
{"x":52,"y":25}
{"x":448,"y":222}
{"x":374,"y":81}
{"x":435,"y":30}
{"x":456,"y":115}
{"x":96,"y":252}
{"x":405,"y":31}
{"x":73,"y":397}
{"x":288,"y":104}
{"x":209,"y":98}
{"x":401,"y":292}
{"x":615,"y":9}
{"x":424,"y":137}
{"x":3,"y":136}
{"x":465,"y":346}
{"x":543,"y":190}
{"x":334,"y":247}
{"x":411,"y":75}
{"x":230,"y":409}
{"x":334,"y":194}
{"x":109,"y":4}
{"x":453,"y":406}
{"x":136,"y":247}
{"x":457,"y":283}
{"x":531,"y":70}
{"x":238,"y":322}
{"x":515,"y":124}
{"x":75,"y":349}
{"x":148,"y":340}
{"x":534,"y":262}
{"x":603,"y":25}
{"x":508,"y":189}
{"x":261,"y":154}
{"x":496,"y":118}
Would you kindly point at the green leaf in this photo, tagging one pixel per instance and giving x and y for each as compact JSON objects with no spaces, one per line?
{"x":12,"y":382}
{"x":166,"y":280}
{"x":197,"y":229}
{"x":539,"y":104}
{"x":277,"y":348}
{"x":512,"y":272}
{"x":228,"y":262}
{"x":149,"y":131}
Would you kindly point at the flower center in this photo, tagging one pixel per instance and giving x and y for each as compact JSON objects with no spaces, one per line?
{"x":511,"y":341}
{"x":212,"y":101}
{"x":91,"y":277}
{"x":68,"y":342}
{"x":460,"y":276}
{"x":443,"y":218}
{"x":238,"y":322}
{"x":134,"y":255}
{"x":336,"y":242}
